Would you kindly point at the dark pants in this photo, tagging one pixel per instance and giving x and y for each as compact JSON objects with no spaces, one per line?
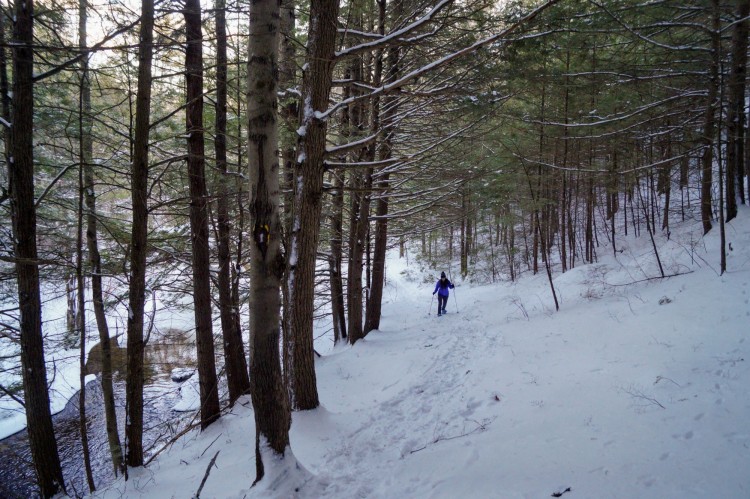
{"x":442,"y":302}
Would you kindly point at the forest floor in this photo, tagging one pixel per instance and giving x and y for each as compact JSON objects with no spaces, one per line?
{"x":638,"y":387}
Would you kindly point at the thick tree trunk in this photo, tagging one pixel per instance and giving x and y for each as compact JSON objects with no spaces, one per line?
{"x":361,"y":187}
{"x":270,"y":399}
{"x":236,"y":271}
{"x":287,"y":126}
{"x":23,"y":212}
{"x":709,"y":121}
{"x":316,"y":88}
{"x":374,"y":303}
{"x":204,"y":338}
{"x":138,"y":242}
{"x":360,"y":212}
{"x":381,"y":222}
{"x":735,"y":113}
{"x":238,"y":382}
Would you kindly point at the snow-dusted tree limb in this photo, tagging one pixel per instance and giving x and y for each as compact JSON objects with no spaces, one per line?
{"x":651,"y":40}
{"x":396,"y":36}
{"x":623,"y":116}
{"x":498,"y":37}
{"x":350,"y":146}
{"x":431,"y":146}
{"x":394,"y":163}
{"x":621,"y":173}
{"x":366,"y":164}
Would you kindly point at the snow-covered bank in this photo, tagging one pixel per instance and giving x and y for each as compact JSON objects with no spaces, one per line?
{"x":63,"y":365}
{"x":638,"y":387}
{"x":63,"y":369}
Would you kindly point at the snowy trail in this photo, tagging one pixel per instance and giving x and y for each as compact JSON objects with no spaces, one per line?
{"x":415,"y":416}
{"x":635,"y":388}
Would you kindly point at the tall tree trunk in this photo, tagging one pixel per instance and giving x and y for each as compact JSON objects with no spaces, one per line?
{"x":23,"y":212}
{"x":336,"y":240}
{"x":590,"y":204}
{"x":464,"y":256}
{"x":240,"y":197}
{"x":375,"y":299}
{"x":360,"y":214}
{"x":204,"y":338}
{"x":709,"y":121}
{"x":94,"y":257}
{"x":270,"y":400}
{"x":238,"y":381}
{"x":360,"y":220}
{"x":4,"y":98}
{"x":81,"y":297}
{"x":381,"y":222}
{"x":469,"y":241}
{"x":138,"y":241}
{"x":287,"y":126}
{"x":316,"y":88}
{"x":84,"y":159}
{"x":735,"y":113}
{"x":338,"y":310}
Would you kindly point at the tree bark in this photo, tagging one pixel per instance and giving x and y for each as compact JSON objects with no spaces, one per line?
{"x":287,"y":126}
{"x":138,"y":242}
{"x":204,"y":338}
{"x":338,"y":312}
{"x":359,"y":218}
{"x":709,"y":121}
{"x":735,"y":112}
{"x":270,"y":399}
{"x":316,"y":88}
{"x":94,"y":257}
{"x":80,"y":318}
{"x":84,"y":158}
{"x":238,"y":382}
{"x":23,"y":213}
{"x":374,"y":305}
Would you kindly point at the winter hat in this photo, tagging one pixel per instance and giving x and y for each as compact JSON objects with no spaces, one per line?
{"x":442,"y":275}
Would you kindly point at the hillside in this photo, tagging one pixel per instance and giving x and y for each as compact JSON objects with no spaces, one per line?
{"x":637,"y":387}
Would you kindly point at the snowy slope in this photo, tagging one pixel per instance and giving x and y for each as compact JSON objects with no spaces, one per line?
{"x":637,"y":387}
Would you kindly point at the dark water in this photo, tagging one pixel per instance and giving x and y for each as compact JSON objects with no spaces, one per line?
{"x":17,"y":477}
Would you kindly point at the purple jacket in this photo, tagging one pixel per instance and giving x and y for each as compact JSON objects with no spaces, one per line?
{"x":442,"y":287}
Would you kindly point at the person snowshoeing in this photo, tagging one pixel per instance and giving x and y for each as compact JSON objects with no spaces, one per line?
{"x":441,"y":288}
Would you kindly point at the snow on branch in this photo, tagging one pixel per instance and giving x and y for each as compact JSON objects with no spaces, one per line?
{"x":397,"y":84}
{"x":360,"y":34}
{"x":365,"y":164}
{"x":434,"y":145}
{"x":356,"y":144}
{"x":363,"y":47}
{"x":646,"y":38}
{"x":624,"y":116}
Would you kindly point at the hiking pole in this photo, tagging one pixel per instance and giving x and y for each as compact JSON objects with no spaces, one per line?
{"x":429,"y":310}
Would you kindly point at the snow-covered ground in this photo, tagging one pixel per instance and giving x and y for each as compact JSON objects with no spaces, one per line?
{"x":63,"y":365}
{"x":636,"y":388}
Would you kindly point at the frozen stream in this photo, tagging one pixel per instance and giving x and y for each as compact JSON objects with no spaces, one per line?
{"x":17,"y":478}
